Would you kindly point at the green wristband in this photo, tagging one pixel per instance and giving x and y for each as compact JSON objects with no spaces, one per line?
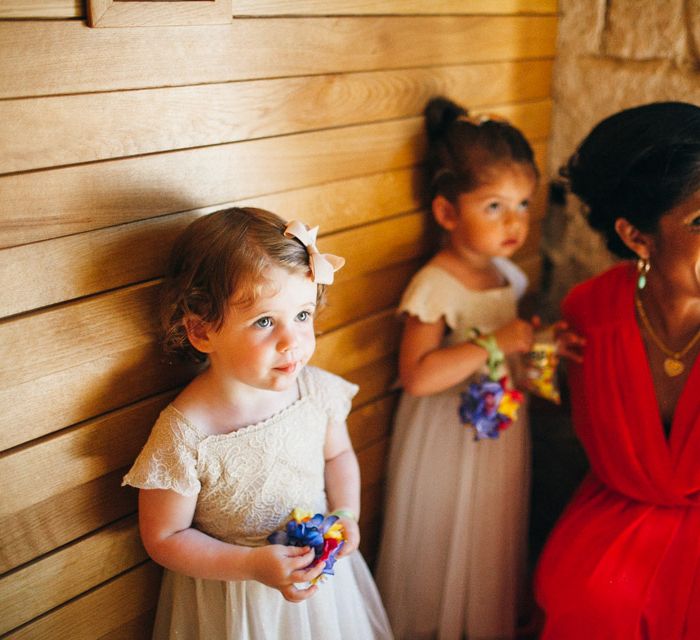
{"x":345,"y":513}
{"x":495,"y":358}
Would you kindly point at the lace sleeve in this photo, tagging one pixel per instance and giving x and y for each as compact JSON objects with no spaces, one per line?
{"x":169,"y":458}
{"x":430,"y":297}
{"x":332,"y":393}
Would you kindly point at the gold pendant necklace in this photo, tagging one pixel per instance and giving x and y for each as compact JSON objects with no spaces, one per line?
{"x":672,"y":364}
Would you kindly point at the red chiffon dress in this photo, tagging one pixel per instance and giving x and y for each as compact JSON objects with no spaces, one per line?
{"x":623,"y":562}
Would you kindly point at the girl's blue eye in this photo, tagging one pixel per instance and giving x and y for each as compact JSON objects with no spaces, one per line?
{"x":303,"y":316}
{"x":264,"y":323}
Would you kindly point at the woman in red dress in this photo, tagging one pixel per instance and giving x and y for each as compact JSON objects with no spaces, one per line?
{"x":623,"y":563}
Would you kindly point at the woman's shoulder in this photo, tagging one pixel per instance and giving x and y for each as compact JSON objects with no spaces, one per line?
{"x":601,"y":297}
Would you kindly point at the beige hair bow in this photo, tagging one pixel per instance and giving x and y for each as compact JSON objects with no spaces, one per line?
{"x":322,"y":265}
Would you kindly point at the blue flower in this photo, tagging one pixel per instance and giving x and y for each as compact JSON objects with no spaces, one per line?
{"x":323,"y":535}
{"x":481,"y":407}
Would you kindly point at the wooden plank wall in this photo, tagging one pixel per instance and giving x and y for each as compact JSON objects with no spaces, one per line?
{"x":110,"y":141}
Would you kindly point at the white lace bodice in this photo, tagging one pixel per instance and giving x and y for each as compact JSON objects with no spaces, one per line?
{"x":248,"y":481}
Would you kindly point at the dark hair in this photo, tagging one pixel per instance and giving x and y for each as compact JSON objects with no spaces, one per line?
{"x":637,"y":164}
{"x":462,"y":147}
{"x":220,"y":259}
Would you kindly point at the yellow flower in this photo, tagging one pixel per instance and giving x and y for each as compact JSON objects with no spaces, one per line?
{"x":300,"y":515}
{"x":509,"y":406}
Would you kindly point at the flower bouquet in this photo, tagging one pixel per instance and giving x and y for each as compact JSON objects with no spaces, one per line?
{"x":490,"y":405}
{"x":323,"y":534}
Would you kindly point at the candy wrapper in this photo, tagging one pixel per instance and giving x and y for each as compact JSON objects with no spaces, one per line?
{"x":324,"y":534}
{"x":540,"y":367}
{"x":489,"y":406}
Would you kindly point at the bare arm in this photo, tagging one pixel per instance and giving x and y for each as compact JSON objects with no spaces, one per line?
{"x":342,"y":477}
{"x":426,"y":368}
{"x":165,"y":522}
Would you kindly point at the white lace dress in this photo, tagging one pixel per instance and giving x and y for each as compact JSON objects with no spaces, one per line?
{"x":247,"y":482}
{"x":453,"y":549}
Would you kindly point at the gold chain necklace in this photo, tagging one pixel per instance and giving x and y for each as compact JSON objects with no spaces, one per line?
{"x":672,"y":365}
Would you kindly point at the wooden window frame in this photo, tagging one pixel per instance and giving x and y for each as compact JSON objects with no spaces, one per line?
{"x":145,"y":13}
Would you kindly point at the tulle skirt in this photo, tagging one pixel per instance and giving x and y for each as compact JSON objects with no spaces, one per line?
{"x":453,"y":552}
{"x":347,"y":606}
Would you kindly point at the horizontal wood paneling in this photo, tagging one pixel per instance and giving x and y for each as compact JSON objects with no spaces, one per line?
{"x":385,"y":243}
{"x":87,"y":263}
{"x":41,"y":9}
{"x":111,"y":141}
{"x":372,"y":498}
{"x":99,"y":612}
{"x":68,"y":572}
{"x":105,"y":259}
{"x":374,"y":378}
{"x":82,"y":390}
{"x":352,"y":299}
{"x":154,"y":120}
{"x":58,"y":202}
{"x":138,"y":628}
{"x":140,"y":13}
{"x":371,"y":423}
{"x":78,"y":455}
{"x":77,"y":333}
{"x":75,"y":9}
{"x":36,"y":530}
{"x":357,"y":344}
{"x":48,"y":58}
{"x":390,"y":7}
{"x":372,"y":460}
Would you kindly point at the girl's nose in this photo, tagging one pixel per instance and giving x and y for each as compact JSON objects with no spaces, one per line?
{"x":287,"y":341}
{"x":513,"y":218}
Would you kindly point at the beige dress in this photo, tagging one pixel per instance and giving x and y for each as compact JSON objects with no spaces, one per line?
{"x":453,"y":549}
{"x":247,"y":482}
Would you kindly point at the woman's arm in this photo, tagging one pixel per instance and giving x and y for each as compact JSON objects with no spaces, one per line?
{"x":426,"y":368}
{"x":165,"y":522}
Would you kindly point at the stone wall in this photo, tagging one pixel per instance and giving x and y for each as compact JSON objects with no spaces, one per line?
{"x":612,"y":54}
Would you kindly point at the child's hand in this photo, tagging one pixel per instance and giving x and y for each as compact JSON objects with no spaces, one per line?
{"x":352,"y":536}
{"x":515,"y":337}
{"x":569,"y":344}
{"x":280,"y":567}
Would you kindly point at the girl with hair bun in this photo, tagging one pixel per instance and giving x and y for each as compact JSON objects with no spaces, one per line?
{"x":623,"y":563}
{"x":453,"y":550}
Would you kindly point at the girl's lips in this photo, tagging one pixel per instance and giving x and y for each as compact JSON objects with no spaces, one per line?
{"x":287,"y":368}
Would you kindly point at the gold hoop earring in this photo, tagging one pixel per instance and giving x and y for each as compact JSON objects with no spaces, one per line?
{"x":643,"y":267}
